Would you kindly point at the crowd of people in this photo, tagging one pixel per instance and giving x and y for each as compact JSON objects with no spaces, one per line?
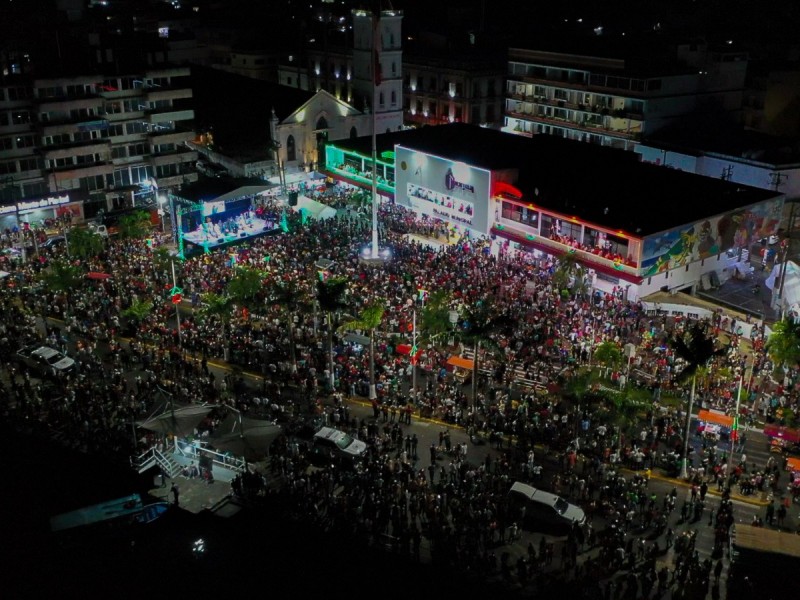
{"x":458,"y":508}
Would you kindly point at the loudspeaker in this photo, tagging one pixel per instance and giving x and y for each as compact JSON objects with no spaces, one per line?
{"x":292,"y":198}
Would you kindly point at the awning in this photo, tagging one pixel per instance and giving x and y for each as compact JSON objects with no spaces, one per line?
{"x":458,"y":361}
{"x":355,"y":338}
{"x":793,"y":464}
{"x":784,"y":433}
{"x":98,"y":275}
{"x":406,"y":349}
{"x":714,"y":417}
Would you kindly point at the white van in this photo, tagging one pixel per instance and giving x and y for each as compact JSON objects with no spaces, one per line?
{"x":543,"y":510}
{"x":340,"y":442}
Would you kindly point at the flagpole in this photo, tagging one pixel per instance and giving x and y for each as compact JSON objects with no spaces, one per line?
{"x":734,"y":433}
{"x":375,"y":67}
{"x":413,"y":354}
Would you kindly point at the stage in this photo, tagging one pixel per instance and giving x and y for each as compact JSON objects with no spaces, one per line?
{"x":212,"y":239}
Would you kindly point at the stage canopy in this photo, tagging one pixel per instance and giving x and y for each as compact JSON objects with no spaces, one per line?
{"x":315,"y":209}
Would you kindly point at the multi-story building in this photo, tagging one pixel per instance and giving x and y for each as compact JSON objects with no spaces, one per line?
{"x":446,"y":89}
{"x":109,"y":140}
{"x":614,"y":101}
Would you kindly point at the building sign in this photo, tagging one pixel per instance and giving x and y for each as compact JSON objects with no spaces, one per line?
{"x":30,"y":205}
{"x":451,"y":183}
{"x":8,"y":209}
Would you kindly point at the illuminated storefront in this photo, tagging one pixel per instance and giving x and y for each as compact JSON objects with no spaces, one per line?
{"x":40,"y":212}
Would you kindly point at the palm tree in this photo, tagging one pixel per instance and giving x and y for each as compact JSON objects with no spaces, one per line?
{"x":245,"y":285}
{"x":84,"y":243}
{"x":434,"y":320}
{"x":783,"y":345}
{"x":696,"y":348}
{"x":369,"y":319}
{"x":219,"y":306}
{"x":608,"y":354}
{"x":568,"y":272}
{"x":292,"y":300}
{"x":134,"y":225}
{"x":330,"y":296}
{"x":61,"y":278}
{"x":481,"y":323}
{"x":137,"y":312}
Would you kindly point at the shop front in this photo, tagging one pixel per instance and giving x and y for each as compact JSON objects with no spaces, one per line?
{"x":43,"y":213}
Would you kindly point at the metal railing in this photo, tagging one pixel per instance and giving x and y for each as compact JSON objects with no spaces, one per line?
{"x":225,"y":461}
{"x":152,"y":457}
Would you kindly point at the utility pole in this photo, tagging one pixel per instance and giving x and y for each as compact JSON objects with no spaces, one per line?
{"x":177,"y":306}
{"x":786,"y":248}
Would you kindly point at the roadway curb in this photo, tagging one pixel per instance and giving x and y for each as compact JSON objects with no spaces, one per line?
{"x":712,"y":492}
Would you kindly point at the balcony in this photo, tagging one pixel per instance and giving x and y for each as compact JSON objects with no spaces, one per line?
{"x":189,"y":156}
{"x":163,"y":115}
{"x":585,"y":127}
{"x":167,"y":93}
{"x":177,"y":180}
{"x":170,"y":137}
{"x":513,"y":230}
{"x":102,"y":167}
{"x":67,"y":104}
{"x":74,"y":148}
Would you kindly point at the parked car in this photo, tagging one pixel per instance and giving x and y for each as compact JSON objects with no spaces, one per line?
{"x":543,"y":511}
{"x":54,"y":242}
{"x":46,"y":361}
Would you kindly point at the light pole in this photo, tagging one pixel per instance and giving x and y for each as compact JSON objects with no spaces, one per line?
{"x":177,"y":305}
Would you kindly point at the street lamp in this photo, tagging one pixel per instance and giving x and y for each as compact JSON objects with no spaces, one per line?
{"x":452,"y":316}
{"x":162,"y":200}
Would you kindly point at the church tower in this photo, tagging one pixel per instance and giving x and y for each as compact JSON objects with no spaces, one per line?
{"x":384,"y":29}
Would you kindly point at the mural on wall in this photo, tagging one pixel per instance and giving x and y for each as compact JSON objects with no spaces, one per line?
{"x":737,"y":229}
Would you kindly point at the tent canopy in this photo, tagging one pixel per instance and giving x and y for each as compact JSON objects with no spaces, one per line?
{"x":458,"y":361}
{"x":791,"y":282}
{"x":246,"y":437}
{"x":318,"y":210}
{"x":784,"y":433}
{"x":714,"y":417}
{"x":179,"y":422}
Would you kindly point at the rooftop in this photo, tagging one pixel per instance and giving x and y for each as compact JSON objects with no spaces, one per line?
{"x":601,"y":185}
{"x":728,"y":139}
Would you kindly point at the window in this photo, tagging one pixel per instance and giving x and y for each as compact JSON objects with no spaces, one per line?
{"x":8,"y":167}
{"x":118,"y":152}
{"x":381,"y":99}
{"x":115,"y":130}
{"x":28,"y":164}
{"x":520,"y":214}
{"x":432,"y":84}
{"x":394,"y":98}
{"x":20,"y":117}
{"x":18,"y":93}
{"x":6,"y":143}
{"x":290,"y":149}
{"x":288,"y":81}
{"x":26,"y":141}
{"x":353,"y":133}
{"x":321,"y":124}
{"x":490,"y":90}
{"x":394,"y":68}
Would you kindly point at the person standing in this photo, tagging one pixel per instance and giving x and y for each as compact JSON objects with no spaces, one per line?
{"x":175,"y":494}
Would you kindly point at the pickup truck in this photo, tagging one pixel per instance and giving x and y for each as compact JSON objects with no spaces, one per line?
{"x":46,"y":361}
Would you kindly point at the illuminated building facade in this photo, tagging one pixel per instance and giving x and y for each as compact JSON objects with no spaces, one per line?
{"x":636,"y":226}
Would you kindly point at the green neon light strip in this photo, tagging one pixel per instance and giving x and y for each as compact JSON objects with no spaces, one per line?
{"x":367,"y":180}
{"x":369,"y":158}
{"x":388,"y":154}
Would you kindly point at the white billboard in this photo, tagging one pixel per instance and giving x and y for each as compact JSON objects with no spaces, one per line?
{"x":442,"y":188}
